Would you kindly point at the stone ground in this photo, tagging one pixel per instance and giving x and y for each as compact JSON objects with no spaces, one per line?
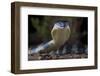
{"x":55,"y":57}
